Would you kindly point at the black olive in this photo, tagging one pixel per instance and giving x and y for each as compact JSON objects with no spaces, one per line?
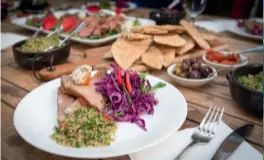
{"x":185,"y":66}
{"x":206,"y":71}
{"x":183,"y":74}
{"x":187,"y":61}
{"x":194,"y":74}
{"x":196,"y":66}
{"x":192,"y":60}
{"x":199,"y":60}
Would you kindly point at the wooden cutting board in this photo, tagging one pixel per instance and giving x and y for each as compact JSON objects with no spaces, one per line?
{"x":94,"y":58}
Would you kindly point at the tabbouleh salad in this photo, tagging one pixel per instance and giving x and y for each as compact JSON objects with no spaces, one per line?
{"x":85,"y":127}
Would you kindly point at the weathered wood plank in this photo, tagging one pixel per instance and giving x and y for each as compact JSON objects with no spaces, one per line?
{"x":11,"y":94}
{"x":7,"y":56}
{"x":14,"y":147}
{"x":220,"y":80}
{"x":19,"y":78}
{"x":216,"y":90}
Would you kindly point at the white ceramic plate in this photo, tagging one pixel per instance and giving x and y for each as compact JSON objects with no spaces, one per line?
{"x":36,"y":115}
{"x":131,"y":6}
{"x":232,"y":27}
{"x":190,"y":83}
{"x":94,"y":42}
{"x":217,"y":66}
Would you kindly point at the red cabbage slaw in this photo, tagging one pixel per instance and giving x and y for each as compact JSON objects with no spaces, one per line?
{"x":124,"y":106}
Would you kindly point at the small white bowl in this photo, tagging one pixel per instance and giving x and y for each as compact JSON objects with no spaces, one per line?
{"x":244,"y":61}
{"x":190,"y":83}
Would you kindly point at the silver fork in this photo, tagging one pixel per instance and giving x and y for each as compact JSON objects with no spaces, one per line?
{"x":207,"y":128}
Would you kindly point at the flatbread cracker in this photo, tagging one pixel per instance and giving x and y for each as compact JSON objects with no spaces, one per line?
{"x":168,"y":55}
{"x":134,"y":36}
{"x":127,"y":52}
{"x":209,"y":37}
{"x":153,"y":58}
{"x":195,"y":34}
{"x":190,"y":44}
{"x":149,"y":30}
{"x":138,"y":61}
{"x":173,"y":40}
{"x":139,"y":68}
{"x":108,"y":55}
{"x":174,"y":28}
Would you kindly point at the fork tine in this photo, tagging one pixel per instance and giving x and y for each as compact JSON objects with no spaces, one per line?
{"x":213,"y":123}
{"x":221,"y":115}
{"x":219,"y":119}
{"x":204,"y":119}
{"x":209,"y":122}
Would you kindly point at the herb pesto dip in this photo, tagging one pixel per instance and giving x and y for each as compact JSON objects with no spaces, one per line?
{"x":39,"y":44}
{"x":85,"y":127}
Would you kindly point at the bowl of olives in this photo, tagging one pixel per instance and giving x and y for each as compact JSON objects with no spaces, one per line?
{"x":192,"y":73}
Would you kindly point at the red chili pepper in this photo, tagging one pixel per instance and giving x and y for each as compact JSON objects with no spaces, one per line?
{"x":119,"y":78}
{"x":128,"y":83}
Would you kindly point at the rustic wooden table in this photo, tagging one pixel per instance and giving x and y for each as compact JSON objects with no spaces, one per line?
{"x":16,"y":83}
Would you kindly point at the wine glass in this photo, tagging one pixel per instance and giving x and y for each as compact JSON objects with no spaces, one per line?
{"x":194,"y":8}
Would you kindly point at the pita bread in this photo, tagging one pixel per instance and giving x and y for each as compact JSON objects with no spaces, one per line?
{"x":195,"y":34}
{"x":149,"y":30}
{"x":134,"y":36}
{"x":127,"y":52}
{"x":138,"y":68}
{"x":138,"y":61}
{"x":187,"y":47}
{"x":108,"y":55}
{"x":209,"y":37}
{"x":174,"y":28}
{"x":168,"y":54}
{"x":173,"y":40}
{"x":153,"y":57}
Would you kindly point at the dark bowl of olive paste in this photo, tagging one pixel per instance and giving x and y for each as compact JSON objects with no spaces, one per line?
{"x":41,"y":59}
{"x":246,"y":96}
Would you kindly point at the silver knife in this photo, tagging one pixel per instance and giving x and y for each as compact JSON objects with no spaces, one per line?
{"x":232,"y":141}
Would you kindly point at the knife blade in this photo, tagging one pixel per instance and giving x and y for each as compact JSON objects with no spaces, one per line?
{"x":232,"y":141}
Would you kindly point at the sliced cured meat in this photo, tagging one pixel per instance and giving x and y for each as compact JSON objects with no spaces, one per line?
{"x":97,"y":31}
{"x":88,"y":30}
{"x":63,"y":101}
{"x":87,"y":92}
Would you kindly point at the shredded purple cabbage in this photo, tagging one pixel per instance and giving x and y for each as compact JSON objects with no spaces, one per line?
{"x":119,"y":108}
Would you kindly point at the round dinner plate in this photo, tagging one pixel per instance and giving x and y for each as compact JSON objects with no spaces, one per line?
{"x":36,"y":116}
{"x":131,"y":6}
{"x":232,"y":27}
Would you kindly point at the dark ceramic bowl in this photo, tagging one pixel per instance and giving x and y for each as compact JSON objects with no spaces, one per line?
{"x":249,"y":99}
{"x":36,"y":61}
{"x":163,"y":16}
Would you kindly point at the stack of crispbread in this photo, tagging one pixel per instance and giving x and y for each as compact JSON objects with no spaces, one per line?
{"x":158,"y":46}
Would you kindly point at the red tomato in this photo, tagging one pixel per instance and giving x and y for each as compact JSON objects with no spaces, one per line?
{"x":108,"y":118}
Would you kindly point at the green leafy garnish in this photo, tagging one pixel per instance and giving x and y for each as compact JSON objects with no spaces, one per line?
{"x":143,"y":75}
{"x":157,"y":86}
{"x":114,"y":32}
{"x":30,"y":22}
{"x":94,"y":37}
{"x":120,"y":114}
{"x":57,"y":130}
{"x":136,"y":22}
